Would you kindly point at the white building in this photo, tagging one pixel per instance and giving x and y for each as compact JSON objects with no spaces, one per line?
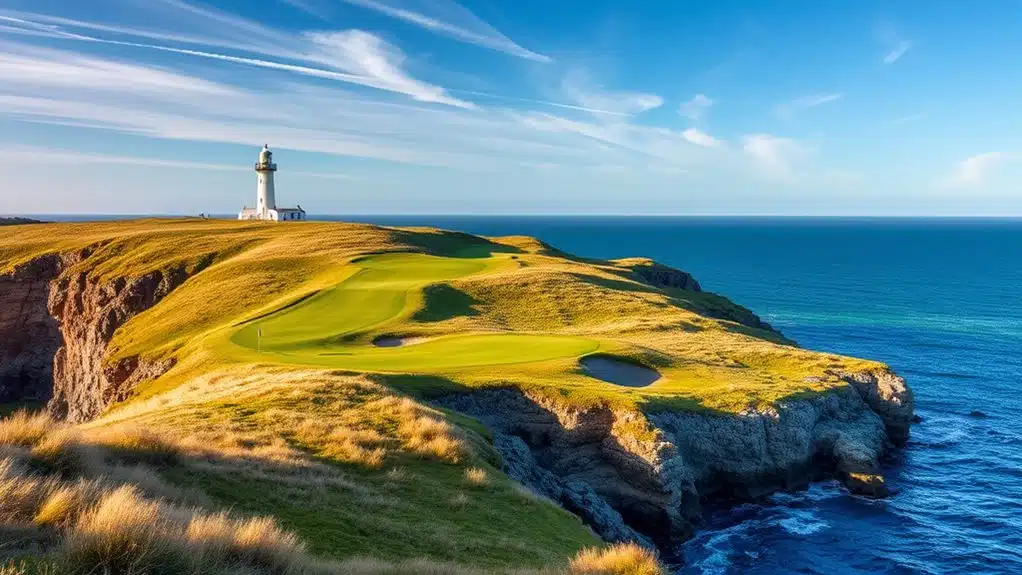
{"x":266,"y":200}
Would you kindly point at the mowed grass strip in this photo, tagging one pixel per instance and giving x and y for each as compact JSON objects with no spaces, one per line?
{"x":386,"y":291}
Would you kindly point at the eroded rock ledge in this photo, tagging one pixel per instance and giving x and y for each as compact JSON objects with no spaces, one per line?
{"x":643,"y":478}
{"x":56,"y":322}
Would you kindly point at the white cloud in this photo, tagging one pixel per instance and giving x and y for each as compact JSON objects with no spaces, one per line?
{"x":60,"y":156}
{"x":789,"y":109}
{"x":368,"y":56}
{"x":696,"y":108}
{"x":21,"y":64}
{"x":773,"y":156}
{"x":448,"y":18}
{"x":351,"y":56}
{"x":700,"y":138}
{"x":977,"y":170}
{"x":897,"y":52}
{"x":578,"y":88}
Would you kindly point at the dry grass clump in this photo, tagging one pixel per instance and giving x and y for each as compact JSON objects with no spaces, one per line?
{"x":424,"y":432}
{"x":621,"y":559}
{"x":137,"y":445}
{"x":64,"y":451}
{"x":477,"y":477}
{"x":21,"y":494}
{"x":25,"y":429}
{"x":64,"y":503}
{"x":126,"y":533}
{"x":353,"y":445}
{"x":432,"y":437}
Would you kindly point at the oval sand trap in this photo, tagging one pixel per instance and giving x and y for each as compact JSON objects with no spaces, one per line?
{"x":619,"y":372}
{"x":393,"y":341}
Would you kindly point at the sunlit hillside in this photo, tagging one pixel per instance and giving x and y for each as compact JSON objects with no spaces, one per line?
{"x":297,"y":368}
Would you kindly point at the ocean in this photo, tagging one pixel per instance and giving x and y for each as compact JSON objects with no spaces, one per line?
{"x":938,"y":300}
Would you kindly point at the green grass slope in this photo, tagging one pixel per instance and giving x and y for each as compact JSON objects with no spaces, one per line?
{"x":281,"y":404}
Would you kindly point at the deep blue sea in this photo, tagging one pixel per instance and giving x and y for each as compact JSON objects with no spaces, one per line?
{"x":938,"y":300}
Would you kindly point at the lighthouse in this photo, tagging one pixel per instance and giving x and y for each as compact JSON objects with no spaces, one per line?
{"x":266,"y":194}
{"x":266,"y":198}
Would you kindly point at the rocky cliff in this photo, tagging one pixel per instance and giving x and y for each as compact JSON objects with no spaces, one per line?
{"x":643,"y":477}
{"x":55,"y":324}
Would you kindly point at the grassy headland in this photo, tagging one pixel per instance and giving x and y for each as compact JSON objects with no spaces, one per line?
{"x":280,"y":402}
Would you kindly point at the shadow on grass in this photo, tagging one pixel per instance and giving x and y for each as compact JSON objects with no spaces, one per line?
{"x":452,"y":244}
{"x":443,"y":302}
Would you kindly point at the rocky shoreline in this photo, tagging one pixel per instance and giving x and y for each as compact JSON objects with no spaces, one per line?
{"x":636,"y":477}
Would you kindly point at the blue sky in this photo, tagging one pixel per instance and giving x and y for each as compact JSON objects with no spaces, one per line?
{"x":524,"y":107}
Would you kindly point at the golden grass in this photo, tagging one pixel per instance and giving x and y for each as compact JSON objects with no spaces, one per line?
{"x":477,"y":477}
{"x":24,"y":428}
{"x":65,"y":503}
{"x":622,"y":559}
{"x":137,"y":445}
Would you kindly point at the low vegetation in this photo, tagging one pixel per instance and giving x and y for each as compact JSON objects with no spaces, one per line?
{"x":282,"y":408}
{"x":66,"y":503}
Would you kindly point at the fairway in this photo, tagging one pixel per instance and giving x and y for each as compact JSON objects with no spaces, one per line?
{"x":326,"y":328}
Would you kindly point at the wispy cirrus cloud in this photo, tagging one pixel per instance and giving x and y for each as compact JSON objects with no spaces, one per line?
{"x":48,"y":155}
{"x":578,"y":87}
{"x":802,"y":103}
{"x":909,"y":118}
{"x":449,"y":18}
{"x":351,"y":56}
{"x":897,"y":52}
{"x":105,"y":79}
{"x":894,"y":45}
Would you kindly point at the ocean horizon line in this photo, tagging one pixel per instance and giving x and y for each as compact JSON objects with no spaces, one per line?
{"x":334,"y":216}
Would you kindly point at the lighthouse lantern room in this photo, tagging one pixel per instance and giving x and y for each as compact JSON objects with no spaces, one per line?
{"x":266,"y":199}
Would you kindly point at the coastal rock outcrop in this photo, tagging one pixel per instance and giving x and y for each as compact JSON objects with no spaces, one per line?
{"x":643,"y":477}
{"x":55,"y":327}
{"x":29,"y":335}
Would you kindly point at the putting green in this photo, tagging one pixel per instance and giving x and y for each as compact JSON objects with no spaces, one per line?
{"x":385,"y":291}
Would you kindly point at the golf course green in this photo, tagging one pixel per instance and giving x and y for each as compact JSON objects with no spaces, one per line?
{"x":330,"y":328}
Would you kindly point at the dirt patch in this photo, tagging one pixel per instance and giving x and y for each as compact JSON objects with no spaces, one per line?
{"x":619,"y":372}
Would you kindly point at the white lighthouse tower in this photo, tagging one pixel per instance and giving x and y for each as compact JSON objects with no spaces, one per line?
{"x":266,"y":194}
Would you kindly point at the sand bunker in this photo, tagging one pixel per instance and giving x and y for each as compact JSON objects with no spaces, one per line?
{"x":394,"y":341}
{"x":619,"y":372}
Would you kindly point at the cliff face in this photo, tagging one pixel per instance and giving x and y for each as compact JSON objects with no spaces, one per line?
{"x":55,"y":325}
{"x":642,"y":478}
{"x":29,"y":335}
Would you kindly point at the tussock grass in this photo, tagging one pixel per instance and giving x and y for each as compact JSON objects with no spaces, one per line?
{"x":24,"y":428}
{"x":622,"y":559}
{"x":477,"y":477}
{"x":134,"y":444}
{"x":64,"y":503}
{"x":125,"y":533}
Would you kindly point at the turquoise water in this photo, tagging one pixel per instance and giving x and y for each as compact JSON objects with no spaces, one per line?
{"x":939,"y":300}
